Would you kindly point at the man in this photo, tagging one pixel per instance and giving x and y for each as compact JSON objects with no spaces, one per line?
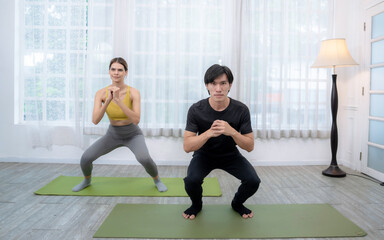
{"x":214,"y":127}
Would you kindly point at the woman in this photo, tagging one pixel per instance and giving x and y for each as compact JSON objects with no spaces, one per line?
{"x":122,"y":105}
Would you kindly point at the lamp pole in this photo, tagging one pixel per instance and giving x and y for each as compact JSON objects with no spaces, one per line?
{"x":333,"y":170}
{"x":334,"y":52}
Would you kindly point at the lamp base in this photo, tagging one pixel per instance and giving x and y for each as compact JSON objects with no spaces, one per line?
{"x":334,"y":171}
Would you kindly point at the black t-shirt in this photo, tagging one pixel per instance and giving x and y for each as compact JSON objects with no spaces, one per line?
{"x":201,"y":116}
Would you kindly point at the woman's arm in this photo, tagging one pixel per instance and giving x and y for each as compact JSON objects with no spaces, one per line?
{"x":99,"y":106}
{"x":134,"y":114}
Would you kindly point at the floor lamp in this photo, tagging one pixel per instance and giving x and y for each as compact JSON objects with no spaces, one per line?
{"x":334,"y":53}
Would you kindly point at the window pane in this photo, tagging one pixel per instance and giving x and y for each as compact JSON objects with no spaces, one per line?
{"x":377,"y":78}
{"x":376,"y":158}
{"x":56,"y":39}
{"x":102,"y":16}
{"x":78,"y":16}
{"x":33,"y":87}
{"x":145,"y":41}
{"x":33,"y":110}
{"x":34,"y":39}
{"x":34,"y":63}
{"x":77,"y":64}
{"x":55,"y":110}
{"x":34,"y":15}
{"x":78,"y":40}
{"x":56,"y":63}
{"x":167,"y":17}
{"x":56,"y":87}
{"x":376,"y":129}
{"x":377,"y":52}
{"x":57,"y":15}
{"x":376,"y":105}
{"x":144,"y":17}
{"x":166,"y":42}
{"x":377,"y":26}
{"x":102,"y":40}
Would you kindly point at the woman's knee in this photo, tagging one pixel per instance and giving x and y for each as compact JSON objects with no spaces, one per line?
{"x":146,"y":161}
{"x":86,"y":160}
{"x":149,"y":166}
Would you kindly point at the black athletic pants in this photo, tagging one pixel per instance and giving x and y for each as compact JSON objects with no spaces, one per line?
{"x":236,"y":165}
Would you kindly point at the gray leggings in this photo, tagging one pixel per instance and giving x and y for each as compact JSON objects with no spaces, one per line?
{"x":118,"y":136}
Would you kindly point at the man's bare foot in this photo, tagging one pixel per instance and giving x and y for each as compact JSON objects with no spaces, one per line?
{"x":243,"y":211}
{"x":250,"y":215}
{"x":192,"y":211}
{"x":187,"y":216}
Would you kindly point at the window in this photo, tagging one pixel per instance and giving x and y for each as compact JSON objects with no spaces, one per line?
{"x":287,"y":97}
{"x":52,"y":44}
{"x":65,"y":47}
{"x":173,"y":43}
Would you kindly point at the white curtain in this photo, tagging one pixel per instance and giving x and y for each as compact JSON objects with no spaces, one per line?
{"x":65,"y":48}
{"x":279,"y":42}
{"x":63,"y":54}
{"x":168,"y":46}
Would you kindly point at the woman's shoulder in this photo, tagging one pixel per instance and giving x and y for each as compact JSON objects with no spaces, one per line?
{"x":102,"y":90}
{"x":101,"y":93}
{"x":133,"y":91}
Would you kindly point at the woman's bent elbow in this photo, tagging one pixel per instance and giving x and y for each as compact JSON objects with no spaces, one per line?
{"x":95,"y":121}
{"x":136,"y":121}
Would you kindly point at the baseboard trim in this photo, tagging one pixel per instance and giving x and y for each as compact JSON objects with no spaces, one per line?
{"x":159,"y":162}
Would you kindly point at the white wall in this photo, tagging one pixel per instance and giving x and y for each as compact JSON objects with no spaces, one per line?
{"x":15,"y":144}
{"x":349,"y":25}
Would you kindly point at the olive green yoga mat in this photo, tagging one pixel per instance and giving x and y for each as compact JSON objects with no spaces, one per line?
{"x":129,"y":186}
{"x":220,"y":221}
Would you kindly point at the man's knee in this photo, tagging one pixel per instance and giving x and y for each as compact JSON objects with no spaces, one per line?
{"x":253,"y":182}
{"x":193,"y":181}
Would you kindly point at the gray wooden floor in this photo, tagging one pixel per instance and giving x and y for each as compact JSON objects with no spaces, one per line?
{"x":24,"y":215}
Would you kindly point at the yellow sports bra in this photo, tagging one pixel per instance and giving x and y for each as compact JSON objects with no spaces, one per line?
{"x":114,"y":112}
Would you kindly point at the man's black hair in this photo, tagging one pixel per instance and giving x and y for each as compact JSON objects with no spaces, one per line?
{"x":215,"y":71}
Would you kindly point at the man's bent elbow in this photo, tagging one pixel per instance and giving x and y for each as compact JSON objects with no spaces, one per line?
{"x":187,"y":149}
{"x":250,"y":148}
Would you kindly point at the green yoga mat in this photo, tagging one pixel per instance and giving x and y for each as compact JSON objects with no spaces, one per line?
{"x":129,"y":186}
{"x":220,"y":221}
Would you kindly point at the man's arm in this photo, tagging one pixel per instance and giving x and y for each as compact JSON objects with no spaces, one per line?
{"x":193,"y":142}
{"x":244,"y":141}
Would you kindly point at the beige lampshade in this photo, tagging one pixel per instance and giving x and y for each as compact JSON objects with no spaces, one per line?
{"x":333,"y":52}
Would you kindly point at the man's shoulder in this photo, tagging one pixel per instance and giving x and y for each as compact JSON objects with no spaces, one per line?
{"x":201,"y":104}
{"x":238,"y":104}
